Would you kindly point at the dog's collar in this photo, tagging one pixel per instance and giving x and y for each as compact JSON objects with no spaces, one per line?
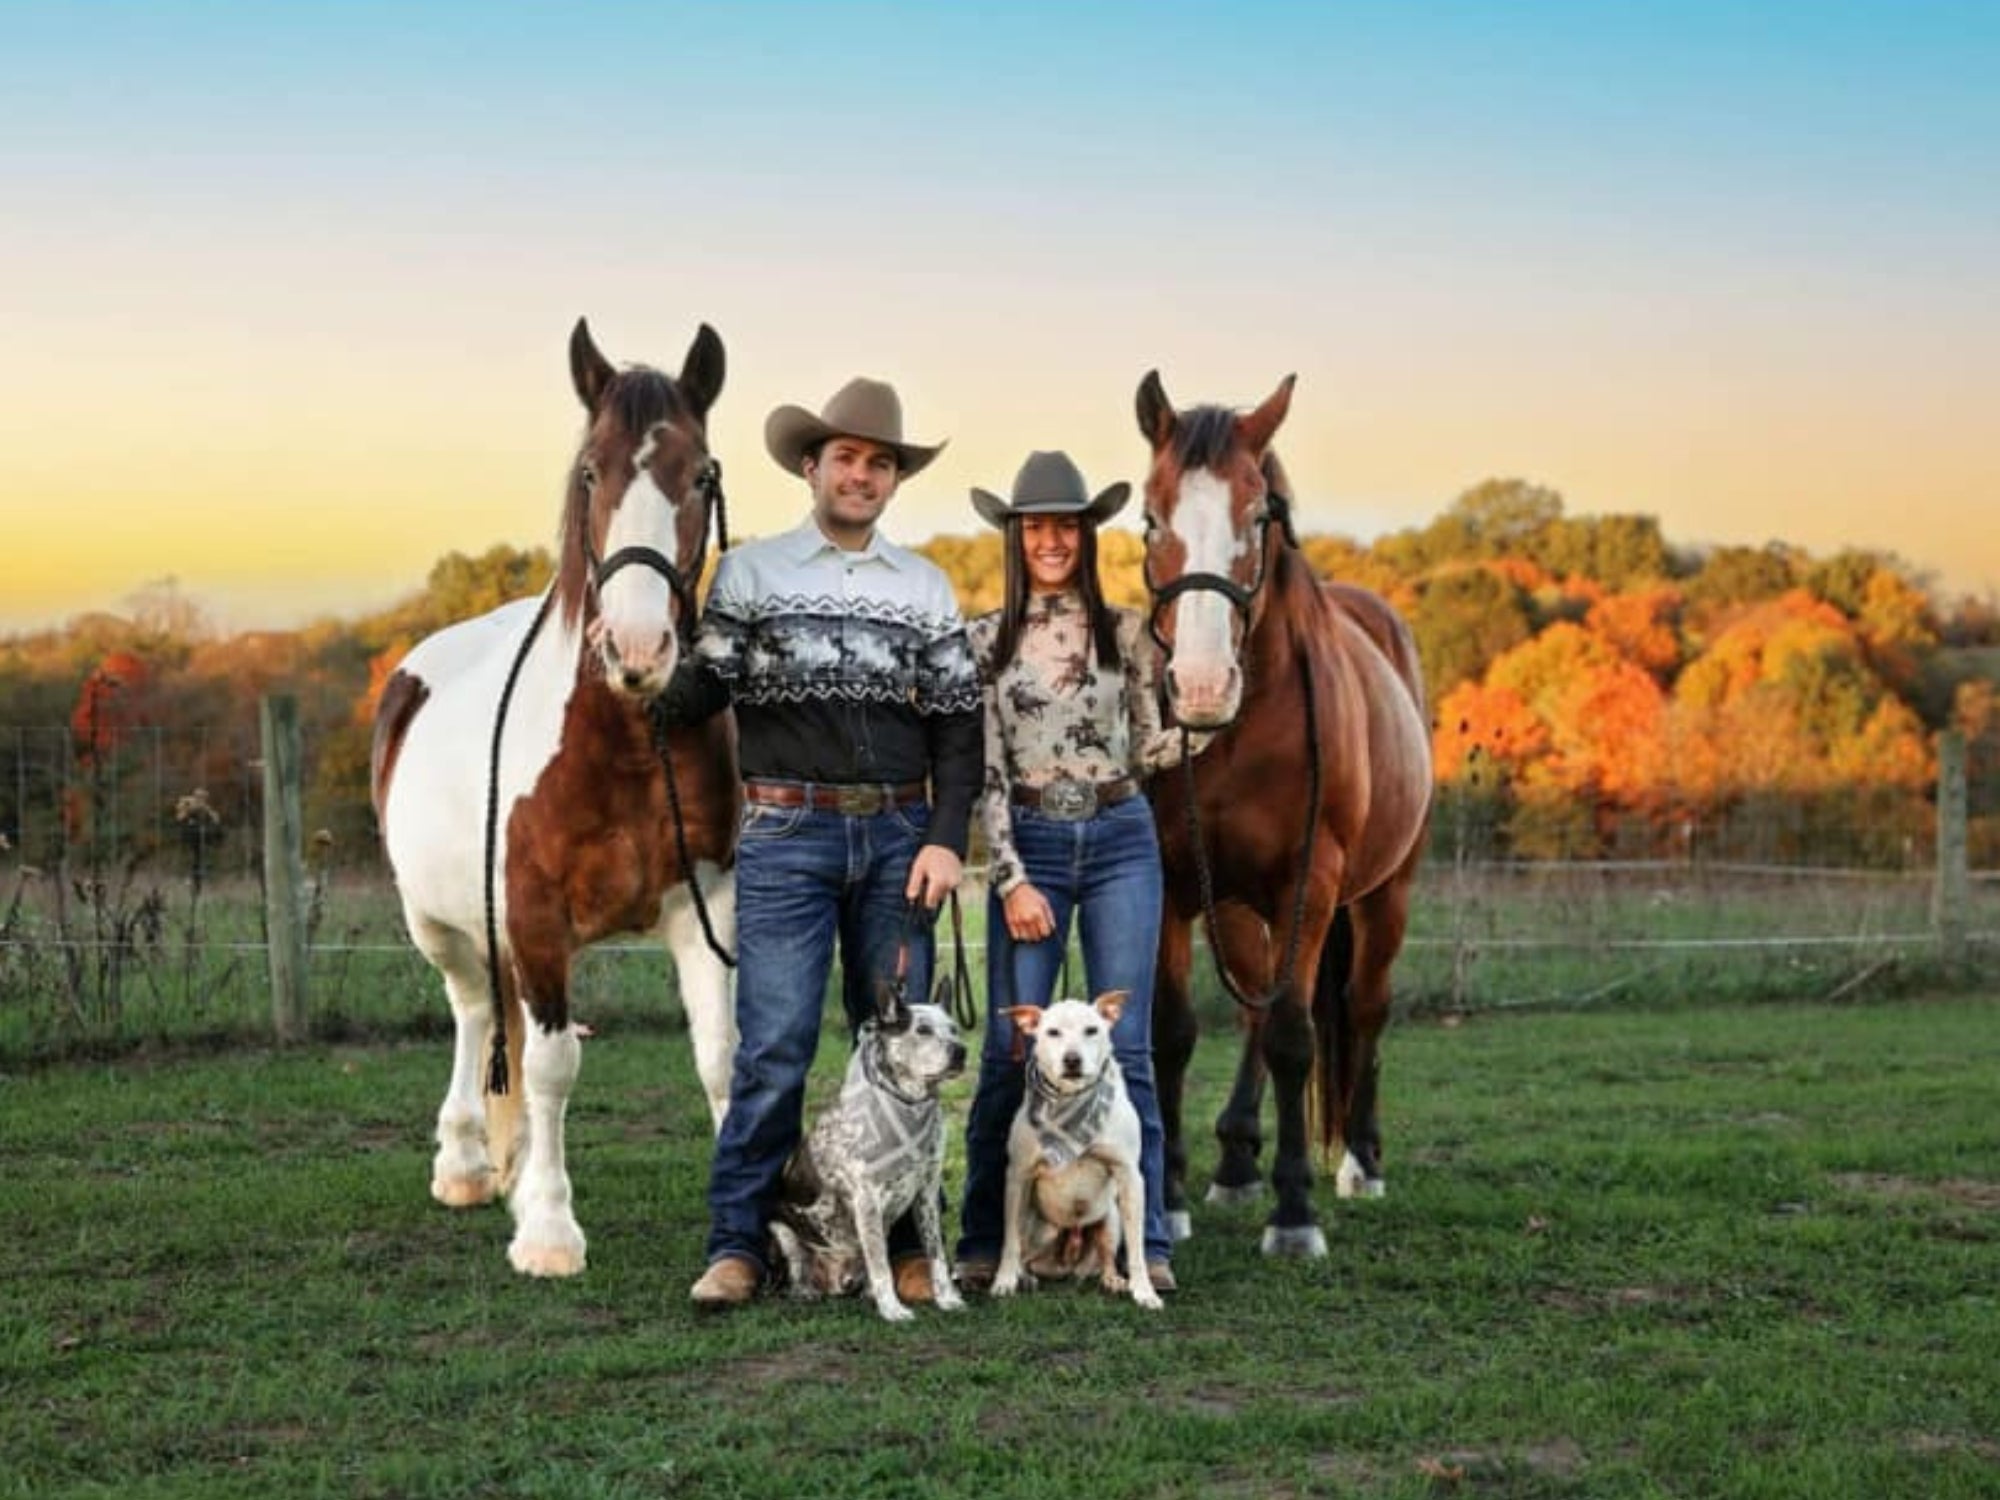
{"x":871,"y":1069}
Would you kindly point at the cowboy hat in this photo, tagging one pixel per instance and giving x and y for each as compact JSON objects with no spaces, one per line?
{"x":1049,"y":484}
{"x":862,"y":408}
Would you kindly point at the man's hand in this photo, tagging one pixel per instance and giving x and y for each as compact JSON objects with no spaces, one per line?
{"x":934,"y":875}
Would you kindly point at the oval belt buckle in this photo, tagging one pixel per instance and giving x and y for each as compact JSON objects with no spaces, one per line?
{"x":1070,"y":800}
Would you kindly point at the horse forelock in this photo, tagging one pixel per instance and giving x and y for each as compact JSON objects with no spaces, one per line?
{"x":1204,"y":436}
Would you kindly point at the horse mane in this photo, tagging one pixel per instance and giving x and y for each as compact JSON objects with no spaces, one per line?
{"x":638,"y":398}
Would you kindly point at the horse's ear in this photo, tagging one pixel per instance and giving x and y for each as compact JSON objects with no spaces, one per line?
{"x":701,"y":371}
{"x":1156,"y":414}
{"x":589,"y":371}
{"x":1261,"y":425}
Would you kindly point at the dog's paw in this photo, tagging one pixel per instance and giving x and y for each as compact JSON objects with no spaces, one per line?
{"x":893,"y":1311}
{"x":1115,"y":1284}
{"x":1145,"y":1296}
{"x":947,"y":1297}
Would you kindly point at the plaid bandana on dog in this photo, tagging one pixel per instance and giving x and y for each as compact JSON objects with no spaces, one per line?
{"x":895,"y":1126}
{"x":1067,"y":1124}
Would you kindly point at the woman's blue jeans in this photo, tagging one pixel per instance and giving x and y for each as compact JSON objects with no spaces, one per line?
{"x":804,"y":879}
{"x":1105,"y":872}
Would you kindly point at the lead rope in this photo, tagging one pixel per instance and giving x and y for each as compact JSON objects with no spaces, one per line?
{"x":496,"y":1066}
{"x":1290,"y":958}
{"x":711,"y":482}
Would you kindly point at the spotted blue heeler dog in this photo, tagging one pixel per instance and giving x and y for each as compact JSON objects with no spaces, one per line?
{"x":876,"y":1155}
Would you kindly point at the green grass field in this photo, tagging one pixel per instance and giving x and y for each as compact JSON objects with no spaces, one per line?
{"x":1693,"y":1251}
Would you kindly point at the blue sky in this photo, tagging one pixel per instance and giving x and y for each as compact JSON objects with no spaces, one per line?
{"x":286,"y":287}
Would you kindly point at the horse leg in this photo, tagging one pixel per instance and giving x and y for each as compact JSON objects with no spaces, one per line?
{"x":704,"y":980}
{"x":547,"y":1238}
{"x":1380,"y":919}
{"x":1289,"y":1052}
{"x":463,"y":1174}
{"x":1174,"y":1032}
{"x":1238,"y":1129}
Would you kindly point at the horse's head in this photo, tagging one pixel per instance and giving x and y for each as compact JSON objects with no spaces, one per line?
{"x":1208,"y":506}
{"x":640,"y":493}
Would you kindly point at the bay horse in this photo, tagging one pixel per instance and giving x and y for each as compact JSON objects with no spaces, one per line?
{"x":1296,"y":832}
{"x":523,"y":792}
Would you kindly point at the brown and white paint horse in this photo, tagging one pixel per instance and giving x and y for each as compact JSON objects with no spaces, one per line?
{"x":1314,"y":687}
{"x":584,"y":843}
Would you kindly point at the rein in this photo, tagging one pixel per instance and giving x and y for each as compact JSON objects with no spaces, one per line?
{"x":1278,"y":509}
{"x":708,"y":486}
{"x":962,"y":1009}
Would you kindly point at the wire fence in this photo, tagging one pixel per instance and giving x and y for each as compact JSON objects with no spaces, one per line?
{"x":132,"y":908}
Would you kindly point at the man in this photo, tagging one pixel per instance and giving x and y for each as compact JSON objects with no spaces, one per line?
{"x":858,"y":718}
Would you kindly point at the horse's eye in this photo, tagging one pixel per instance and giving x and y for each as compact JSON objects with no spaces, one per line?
{"x":587,"y":472}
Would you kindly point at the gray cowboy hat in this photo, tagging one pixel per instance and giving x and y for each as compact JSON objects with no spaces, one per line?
{"x":1049,"y":484}
{"x":862,"y":408}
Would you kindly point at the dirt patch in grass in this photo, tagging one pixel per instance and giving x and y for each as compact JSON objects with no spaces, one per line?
{"x":1936,"y":1443}
{"x":1968,"y":1192}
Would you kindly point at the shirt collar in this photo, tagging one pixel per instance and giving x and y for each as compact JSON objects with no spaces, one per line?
{"x":807,"y":542}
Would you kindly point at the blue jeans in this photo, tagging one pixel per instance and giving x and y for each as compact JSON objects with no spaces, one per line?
{"x":803,"y":879}
{"x":1106,"y":871}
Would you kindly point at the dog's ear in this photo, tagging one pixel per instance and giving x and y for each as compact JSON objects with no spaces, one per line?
{"x":891,"y":1014}
{"x":1027,"y":1019}
{"x":1111,"y":1005}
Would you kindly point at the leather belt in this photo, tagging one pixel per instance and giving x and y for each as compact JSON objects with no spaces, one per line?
{"x":856,"y":800}
{"x":1070,"y":800}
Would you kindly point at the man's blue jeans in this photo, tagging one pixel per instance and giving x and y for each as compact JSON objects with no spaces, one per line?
{"x":804,"y":878}
{"x":1105,"y":871}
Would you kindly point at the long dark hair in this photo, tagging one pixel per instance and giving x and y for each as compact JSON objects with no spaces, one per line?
{"x":1014,"y":609}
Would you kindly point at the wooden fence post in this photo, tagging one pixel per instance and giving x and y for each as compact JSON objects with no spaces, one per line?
{"x":1951,"y":904}
{"x":284,"y":872}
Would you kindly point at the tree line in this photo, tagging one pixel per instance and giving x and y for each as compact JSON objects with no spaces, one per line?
{"x":1593,"y":688}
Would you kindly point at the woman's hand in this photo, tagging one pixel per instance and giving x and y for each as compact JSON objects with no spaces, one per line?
{"x":1029,"y":917}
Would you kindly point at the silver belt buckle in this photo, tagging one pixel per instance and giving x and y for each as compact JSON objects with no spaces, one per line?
{"x":1072,"y":801}
{"x":860,"y":801}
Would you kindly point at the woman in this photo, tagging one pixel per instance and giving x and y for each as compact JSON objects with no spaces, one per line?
{"x":1072,"y":722}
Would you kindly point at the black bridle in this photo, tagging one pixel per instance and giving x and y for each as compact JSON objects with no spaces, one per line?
{"x":707,"y":488}
{"x":1244,"y":599}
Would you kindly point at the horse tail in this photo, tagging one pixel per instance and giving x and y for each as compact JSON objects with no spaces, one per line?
{"x":503,"y":1110}
{"x":1332,"y":1027}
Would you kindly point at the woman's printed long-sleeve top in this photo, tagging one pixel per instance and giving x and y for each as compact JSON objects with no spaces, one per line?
{"x":1054,"y":713}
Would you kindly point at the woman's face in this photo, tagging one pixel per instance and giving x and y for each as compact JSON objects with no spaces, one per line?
{"x":1051,"y":547}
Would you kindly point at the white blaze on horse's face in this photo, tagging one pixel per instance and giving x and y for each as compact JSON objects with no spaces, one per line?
{"x":1204,"y":682}
{"x":635,"y":629}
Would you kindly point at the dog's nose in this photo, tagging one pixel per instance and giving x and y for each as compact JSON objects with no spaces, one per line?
{"x":1072,"y":1065}
{"x":957,"y":1056}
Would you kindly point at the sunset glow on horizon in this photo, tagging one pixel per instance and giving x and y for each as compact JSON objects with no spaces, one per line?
{"x":287,"y":290}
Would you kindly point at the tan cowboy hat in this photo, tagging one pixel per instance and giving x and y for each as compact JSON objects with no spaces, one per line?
{"x":1049,"y":484}
{"x":862,"y":408}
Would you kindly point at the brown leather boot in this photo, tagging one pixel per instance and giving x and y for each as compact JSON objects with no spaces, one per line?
{"x":728,"y":1282}
{"x":913,"y":1280}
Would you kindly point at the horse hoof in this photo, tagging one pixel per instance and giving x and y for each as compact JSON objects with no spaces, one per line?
{"x":546,"y":1260}
{"x":464,"y":1192}
{"x":1299,"y":1242}
{"x":1180,"y":1225}
{"x":1353,"y":1181}
{"x":1232,"y":1194}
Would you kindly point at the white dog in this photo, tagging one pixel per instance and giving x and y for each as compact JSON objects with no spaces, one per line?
{"x":876,"y":1155}
{"x":1073,"y":1155}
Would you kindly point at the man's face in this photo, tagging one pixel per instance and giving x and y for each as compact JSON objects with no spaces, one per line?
{"x":851,"y":480}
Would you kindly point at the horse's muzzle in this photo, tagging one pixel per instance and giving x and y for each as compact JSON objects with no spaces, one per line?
{"x":1206,"y":699}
